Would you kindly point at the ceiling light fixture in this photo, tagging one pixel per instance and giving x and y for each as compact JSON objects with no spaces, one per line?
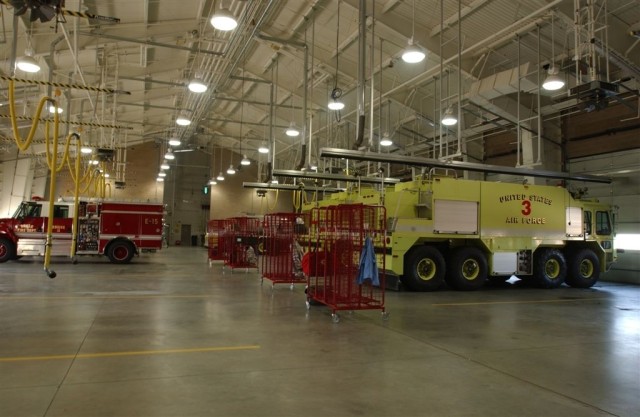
{"x":183,"y":120}
{"x":553,"y":81}
{"x":169,"y":155}
{"x":164,"y":165}
{"x":27,"y":63}
{"x":231,"y":170}
{"x":386,"y":140}
{"x":160,"y":179}
{"x":223,"y":20}
{"x":86,"y":150}
{"x":449,"y":119}
{"x":335,"y":104}
{"x":162,"y":174}
{"x":263,"y":147}
{"x":412,"y":53}
{"x":245,"y":160}
{"x":174,"y":142}
{"x":196,"y":85}
{"x":53,"y":109}
{"x":292,"y":130}
{"x":220,"y":177}
{"x":212,"y":181}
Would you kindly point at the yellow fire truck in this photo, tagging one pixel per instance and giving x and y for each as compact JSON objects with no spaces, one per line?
{"x":465,"y":232}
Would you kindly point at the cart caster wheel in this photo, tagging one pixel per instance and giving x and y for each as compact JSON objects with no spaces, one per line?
{"x":308,"y":304}
{"x":385,"y":315}
{"x":335,"y":318}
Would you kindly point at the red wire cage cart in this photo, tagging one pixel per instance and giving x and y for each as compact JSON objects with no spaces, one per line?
{"x":346,"y":258}
{"x":240,"y":242}
{"x":284,"y":239}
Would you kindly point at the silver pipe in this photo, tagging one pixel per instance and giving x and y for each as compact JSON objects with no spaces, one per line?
{"x":362,"y":33}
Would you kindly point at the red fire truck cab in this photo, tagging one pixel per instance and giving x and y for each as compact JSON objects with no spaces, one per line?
{"x":118,"y":230}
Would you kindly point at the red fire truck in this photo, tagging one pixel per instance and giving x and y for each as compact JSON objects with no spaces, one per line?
{"x":118,"y":230}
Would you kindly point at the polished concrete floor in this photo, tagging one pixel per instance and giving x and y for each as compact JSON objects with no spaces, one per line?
{"x":169,"y":335}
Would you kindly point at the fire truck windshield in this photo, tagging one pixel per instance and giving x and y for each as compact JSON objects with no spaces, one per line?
{"x":28,"y":209}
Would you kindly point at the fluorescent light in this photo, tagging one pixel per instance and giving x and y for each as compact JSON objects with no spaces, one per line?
{"x":412,"y":53}
{"x":292,"y":130}
{"x":174,"y":142}
{"x":223,"y":20}
{"x":245,"y":161}
{"x":231,"y":170}
{"x":196,"y":85}
{"x":263,"y":148}
{"x":86,"y":150}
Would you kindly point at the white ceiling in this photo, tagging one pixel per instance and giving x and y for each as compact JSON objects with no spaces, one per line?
{"x":158,"y":45}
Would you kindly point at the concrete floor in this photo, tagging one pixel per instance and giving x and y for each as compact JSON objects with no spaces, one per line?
{"x":168,"y":335}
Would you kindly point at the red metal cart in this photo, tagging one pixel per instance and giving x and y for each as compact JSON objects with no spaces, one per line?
{"x":215,"y":231}
{"x":284,"y":241}
{"x":240,"y":241}
{"x":346,"y":261}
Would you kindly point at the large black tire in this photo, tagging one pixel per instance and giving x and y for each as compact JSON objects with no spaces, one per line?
{"x":583,"y":269}
{"x":120,"y":252}
{"x":549,"y":268}
{"x":467,"y":269}
{"x":7,"y":250}
{"x":424,"y":269}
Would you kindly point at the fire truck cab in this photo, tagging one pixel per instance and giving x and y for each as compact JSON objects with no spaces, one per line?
{"x":118,"y":230}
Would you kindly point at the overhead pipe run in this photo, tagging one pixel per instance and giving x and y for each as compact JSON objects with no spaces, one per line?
{"x":451,"y":164}
{"x":332,"y":177}
{"x":290,"y":187}
{"x":362,"y":48}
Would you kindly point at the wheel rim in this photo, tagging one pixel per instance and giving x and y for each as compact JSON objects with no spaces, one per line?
{"x":552,"y":268}
{"x":426,"y":269}
{"x":586,"y":268}
{"x":470,"y":269}
{"x":120,"y":252}
{"x":3,"y":250}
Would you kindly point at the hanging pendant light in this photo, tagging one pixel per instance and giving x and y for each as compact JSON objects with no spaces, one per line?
{"x":183,"y":120}
{"x":213,"y":181}
{"x":27,"y":63}
{"x":386,"y":140}
{"x":413,"y":54}
{"x":263,"y":147}
{"x":169,"y":155}
{"x":449,"y":119}
{"x":220,"y":177}
{"x":164,"y":165}
{"x":245,"y":161}
{"x":223,"y":20}
{"x":196,"y":85}
{"x":292,"y":130}
{"x":174,"y":142}
{"x":553,"y":81}
{"x":335,"y":104}
{"x":86,"y":150}
{"x":231,"y":170}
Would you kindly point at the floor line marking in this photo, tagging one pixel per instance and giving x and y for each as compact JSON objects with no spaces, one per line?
{"x":128,"y":353}
{"x":98,"y":297}
{"x":517,"y":302}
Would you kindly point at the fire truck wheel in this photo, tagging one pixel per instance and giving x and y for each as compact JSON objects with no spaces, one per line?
{"x":584,"y":269}
{"x":424,"y":269}
{"x":467,"y":269}
{"x":120,"y":252}
{"x":7,"y":250}
{"x":549,"y":268}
